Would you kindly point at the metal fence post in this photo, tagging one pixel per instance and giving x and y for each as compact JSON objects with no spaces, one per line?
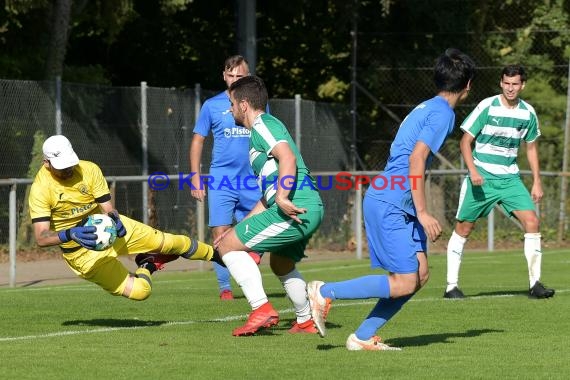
{"x":144,"y":148}
{"x":358,"y":224}
{"x":491,"y":231}
{"x":298,"y":121}
{"x":58,"y":128}
{"x":564,"y":179}
{"x":12,"y":232}
{"x":200,"y":206}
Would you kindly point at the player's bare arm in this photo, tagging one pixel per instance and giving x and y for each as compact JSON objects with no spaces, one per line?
{"x":532,"y":156}
{"x":196,"y":147}
{"x":107,"y":207}
{"x":465,"y":145}
{"x":287,"y":169}
{"x":417,"y":169}
{"x":45,"y":237}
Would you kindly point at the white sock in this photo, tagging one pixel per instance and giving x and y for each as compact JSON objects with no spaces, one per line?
{"x":533,"y":255}
{"x":296,"y":289}
{"x":246,"y":273}
{"x":454,"y":255}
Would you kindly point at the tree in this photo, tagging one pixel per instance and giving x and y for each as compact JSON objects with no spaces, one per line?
{"x":60,"y":12}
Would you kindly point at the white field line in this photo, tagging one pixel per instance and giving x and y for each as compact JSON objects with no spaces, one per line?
{"x":90,"y":287}
{"x":230,"y":318}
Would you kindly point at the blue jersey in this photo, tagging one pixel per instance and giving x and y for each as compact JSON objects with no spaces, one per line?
{"x":230,"y":155}
{"x":431,"y":122}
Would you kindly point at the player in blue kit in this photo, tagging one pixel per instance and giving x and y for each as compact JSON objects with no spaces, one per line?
{"x":396,"y":218}
{"x":229,"y":196}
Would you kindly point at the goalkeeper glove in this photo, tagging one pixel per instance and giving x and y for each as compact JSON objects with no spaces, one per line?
{"x":84,"y":236}
{"x":121,"y":230}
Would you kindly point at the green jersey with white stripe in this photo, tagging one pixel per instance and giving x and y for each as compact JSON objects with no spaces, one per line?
{"x":498,"y":133}
{"x":267,"y":131}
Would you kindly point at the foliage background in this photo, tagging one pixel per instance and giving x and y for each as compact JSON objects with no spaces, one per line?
{"x":303,"y":48}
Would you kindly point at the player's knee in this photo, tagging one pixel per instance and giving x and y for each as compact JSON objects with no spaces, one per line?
{"x":464,"y":229}
{"x":403,"y":286}
{"x":531,"y":224}
{"x":408,"y":289}
{"x":138,"y":286}
{"x":281,"y":265}
{"x":141,"y":289}
{"x":423,"y":279}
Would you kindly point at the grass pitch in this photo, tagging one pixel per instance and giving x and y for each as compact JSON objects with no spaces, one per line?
{"x":184,"y":332}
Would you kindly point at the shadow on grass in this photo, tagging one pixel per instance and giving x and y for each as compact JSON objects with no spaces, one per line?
{"x":276,"y":295}
{"x":422,"y":340}
{"x":499,"y":293}
{"x":326,"y":347}
{"x":113,"y":323}
{"x":32,"y":283}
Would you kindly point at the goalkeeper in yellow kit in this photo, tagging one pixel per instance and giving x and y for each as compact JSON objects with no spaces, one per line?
{"x":64,"y":192}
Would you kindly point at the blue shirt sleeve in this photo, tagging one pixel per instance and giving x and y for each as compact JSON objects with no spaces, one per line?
{"x":438,"y":125}
{"x":204,"y":122}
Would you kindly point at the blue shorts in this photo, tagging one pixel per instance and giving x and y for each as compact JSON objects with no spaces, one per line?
{"x":225,"y":205}
{"x":394,"y":237}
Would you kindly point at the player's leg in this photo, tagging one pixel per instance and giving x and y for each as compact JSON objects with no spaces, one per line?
{"x":247,"y":200}
{"x":142,"y":238}
{"x":455,"y":248}
{"x":222,"y":273}
{"x":247,"y":275}
{"x":372,"y":286}
{"x":389,"y":233}
{"x":474,"y":202}
{"x":110,"y":274}
{"x":282,"y":264}
{"x":267,"y":231}
{"x":221,"y":206}
{"x":518,"y":202}
{"x":382,"y":312}
{"x":385,"y":309}
{"x":532,"y":244}
{"x":397,"y":242}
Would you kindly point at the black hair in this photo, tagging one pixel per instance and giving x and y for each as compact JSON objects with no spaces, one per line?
{"x":514,"y":70}
{"x":453,"y":71}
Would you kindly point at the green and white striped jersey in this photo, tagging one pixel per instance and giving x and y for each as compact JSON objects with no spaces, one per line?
{"x":498,"y":133}
{"x":267,"y":131}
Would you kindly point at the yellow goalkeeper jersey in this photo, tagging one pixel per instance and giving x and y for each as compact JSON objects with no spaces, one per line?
{"x":66,"y":202}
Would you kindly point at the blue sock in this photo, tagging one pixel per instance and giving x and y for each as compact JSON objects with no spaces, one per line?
{"x":223,"y":276}
{"x":384,"y":310}
{"x":374,"y":286}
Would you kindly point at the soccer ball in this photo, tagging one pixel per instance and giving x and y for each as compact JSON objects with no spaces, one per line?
{"x":106,"y":230}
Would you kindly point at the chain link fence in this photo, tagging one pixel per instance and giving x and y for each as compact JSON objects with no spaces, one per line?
{"x":106,"y":124}
{"x":398,"y":76}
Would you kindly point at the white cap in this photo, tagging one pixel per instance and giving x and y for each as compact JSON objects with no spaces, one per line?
{"x":58,"y":150}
